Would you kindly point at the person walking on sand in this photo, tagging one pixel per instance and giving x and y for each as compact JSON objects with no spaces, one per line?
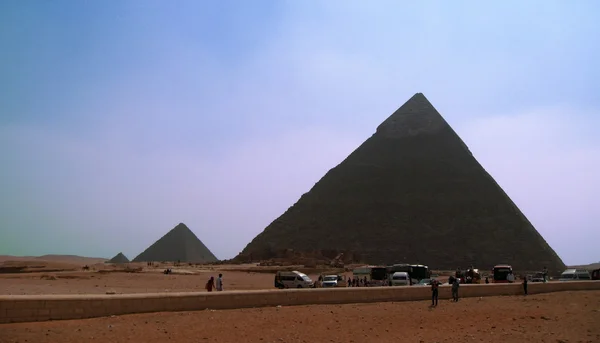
{"x":210,"y":285}
{"x":455,"y":286}
{"x":434,"y":293}
{"x":220,"y":283}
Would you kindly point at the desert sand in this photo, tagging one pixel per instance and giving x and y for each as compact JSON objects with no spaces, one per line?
{"x":557,"y":317}
{"x":119,"y":282}
{"x":61,"y":278}
{"x":67,"y":277}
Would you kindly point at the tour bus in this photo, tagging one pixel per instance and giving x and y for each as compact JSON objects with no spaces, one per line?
{"x":575,"y":275}
{"x":417,"y":272}
{"x":376,"y":275}
{"x":500,"y":273}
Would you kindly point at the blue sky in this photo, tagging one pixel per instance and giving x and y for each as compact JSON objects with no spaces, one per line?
{"x":120,"y":119}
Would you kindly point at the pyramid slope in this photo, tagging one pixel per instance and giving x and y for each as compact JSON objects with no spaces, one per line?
{"x":179,"y":244}
{"x":119,"y":258}
{"x":412,"y":192}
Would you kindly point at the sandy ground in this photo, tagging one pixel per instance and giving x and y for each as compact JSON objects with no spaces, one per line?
{"x":98,"y":283}
{"x":104,"y":278}
{"x":558,"y":317}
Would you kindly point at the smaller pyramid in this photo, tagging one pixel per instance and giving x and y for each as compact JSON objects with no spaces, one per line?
{"x":119,"y":258}
{"x":178,"y":245}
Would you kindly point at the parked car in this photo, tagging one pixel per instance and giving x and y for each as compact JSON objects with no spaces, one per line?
{"x":330,"y":281}
{"x":424,"y":282}
{"x":537,"y":277}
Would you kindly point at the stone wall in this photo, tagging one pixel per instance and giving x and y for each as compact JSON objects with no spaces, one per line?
{"x":23,"y":308}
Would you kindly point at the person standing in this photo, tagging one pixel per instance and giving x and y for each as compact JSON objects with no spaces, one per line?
{"x":210,"y":285}
{"x":455,"y":286}
{"x":434,"y":293}
{"x":220,"y":283}
{"x":525,"y":285}
{"x":545,"y":274}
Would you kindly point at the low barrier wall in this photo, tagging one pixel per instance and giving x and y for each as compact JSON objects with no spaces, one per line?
{"x":23,"y":308}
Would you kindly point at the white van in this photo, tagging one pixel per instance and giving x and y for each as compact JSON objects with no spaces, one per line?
{"x":332,"y":281}
{"x":293,"y":279}
{"x":575,"y":275}
{"x":401,"y":279}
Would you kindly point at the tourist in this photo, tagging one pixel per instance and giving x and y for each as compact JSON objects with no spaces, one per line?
{"x":210,"y":285}
{"x":525,"y":285}
{"x":545,"y":274}
{"x":434,"y":293}
{"x":455,"y":286}
{"x":220,"y":283}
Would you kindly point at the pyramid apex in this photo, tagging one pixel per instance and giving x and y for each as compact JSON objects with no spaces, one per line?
{"x":119,"y":258}
{"x":179,"y":244}
{"x":181,"y":226}
{"x":414,"y":117}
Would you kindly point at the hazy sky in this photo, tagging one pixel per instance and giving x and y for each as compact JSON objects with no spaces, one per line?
{"x":120,"y":119}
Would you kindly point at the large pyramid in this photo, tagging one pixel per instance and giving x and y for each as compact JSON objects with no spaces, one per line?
{"x":119,"y":258}
{"x":179,"y":244}
{"x":412,"y":192}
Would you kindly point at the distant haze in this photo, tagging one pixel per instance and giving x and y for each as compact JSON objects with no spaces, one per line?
{"x":119,"y":120}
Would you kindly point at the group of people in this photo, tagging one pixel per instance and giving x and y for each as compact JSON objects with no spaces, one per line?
{"x":212,"y":285}
{"x":358,"y":282}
